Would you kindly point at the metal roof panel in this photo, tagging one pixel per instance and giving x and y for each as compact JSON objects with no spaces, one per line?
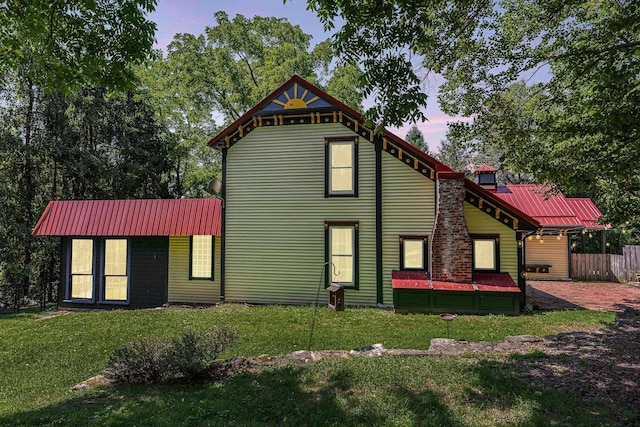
{"x":156,"y":217}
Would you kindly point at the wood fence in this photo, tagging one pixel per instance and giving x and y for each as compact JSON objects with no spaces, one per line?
{"x":607,"y":267}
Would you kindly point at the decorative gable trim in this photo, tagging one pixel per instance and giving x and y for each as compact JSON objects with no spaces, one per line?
{"x":299,"y":102}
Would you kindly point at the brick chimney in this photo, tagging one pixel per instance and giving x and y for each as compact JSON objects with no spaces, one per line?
{"x":450,"y":241}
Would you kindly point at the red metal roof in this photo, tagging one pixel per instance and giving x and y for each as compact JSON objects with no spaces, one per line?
{"x":495,"y":282}
{"x":586,"y":211}
{"x":156,"y":217}
{"x":486,"y":282}
{"x":550,"y":210}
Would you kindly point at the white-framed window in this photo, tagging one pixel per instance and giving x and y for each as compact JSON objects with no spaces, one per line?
{"x":201,"y":266}
{"x":341,"y":250}
{"x":81,"y":268}
{"x":116,"y":278}
{"x":341,"y":166}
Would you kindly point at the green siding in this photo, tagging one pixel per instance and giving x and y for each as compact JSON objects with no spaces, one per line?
{"x":275,"y":214}
{"x":480,"y":223}
{"x":408,"y":207}
{"x":180,"y":288}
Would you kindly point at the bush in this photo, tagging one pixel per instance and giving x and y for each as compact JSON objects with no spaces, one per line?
{"x":190,"y":357}
{"x":193,"y":356}
{"x":139,"y":362}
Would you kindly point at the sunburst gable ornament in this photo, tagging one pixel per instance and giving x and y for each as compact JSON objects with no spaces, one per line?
{"x":296,"y":97}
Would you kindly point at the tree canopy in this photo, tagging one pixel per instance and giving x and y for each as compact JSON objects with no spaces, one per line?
{"x":63,"y":45}
{"x":416,"y":138}
{"x":583,"y":125}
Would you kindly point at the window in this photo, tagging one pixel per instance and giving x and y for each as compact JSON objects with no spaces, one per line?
{"x":341,"y":251}
{"x":81,"y":269}
{"x":341,"y":166}
{"x":413,"y":252}
{"x":486,"y":253}
{"x":485,"y":178}
{"x":201,"y":266}
{"x":115,"y":270}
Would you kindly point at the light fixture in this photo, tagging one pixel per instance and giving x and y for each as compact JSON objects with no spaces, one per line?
{"x":608,"y":244}
{"x":558,"y":237}
{"x":531,"y":237}
{"x":590,"y":235}
{"x":541,"y":241}
{"x":538,"y":236}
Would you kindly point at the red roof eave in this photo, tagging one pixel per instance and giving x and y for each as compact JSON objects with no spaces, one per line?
{"x":150,"y":217}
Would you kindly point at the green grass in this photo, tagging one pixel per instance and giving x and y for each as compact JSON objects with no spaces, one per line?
{"x":40,"y":360}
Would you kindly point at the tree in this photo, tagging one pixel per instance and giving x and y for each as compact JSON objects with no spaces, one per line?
{"x":45,"y":48}
{"x":62,"y":45}
{"x":415,"y":138}
{"x":586,"y":123}
{"x":223,"y":73}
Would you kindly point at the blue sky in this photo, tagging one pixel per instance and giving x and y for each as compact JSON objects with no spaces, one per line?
{"x":192,"y":16}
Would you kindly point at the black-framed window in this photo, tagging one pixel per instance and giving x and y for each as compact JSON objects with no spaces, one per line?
{"x":486,"y":252}
{"x":116,"y":270}
{"x":342,"y":253}
{"x":81,"y":269}
{"x":414,"y":253}
{"x":201,"y":257}
{"x":487,"y":178}
{"x":341,"y":166}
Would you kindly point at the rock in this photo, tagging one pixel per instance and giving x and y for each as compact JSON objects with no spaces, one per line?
{"x":443,"y":343}
{"x":372,"y":350}
{"x":302,"y":356}
{"x":522,"y":339}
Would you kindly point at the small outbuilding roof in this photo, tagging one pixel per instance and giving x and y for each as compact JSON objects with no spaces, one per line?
{"x":151,"y":217}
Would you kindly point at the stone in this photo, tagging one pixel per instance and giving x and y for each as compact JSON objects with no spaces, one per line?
{"x":523,"y":339}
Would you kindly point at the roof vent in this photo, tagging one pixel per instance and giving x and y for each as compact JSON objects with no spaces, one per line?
{"x":485,"y":177}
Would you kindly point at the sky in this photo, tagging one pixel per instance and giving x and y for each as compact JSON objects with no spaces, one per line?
{"x":192,"y":16}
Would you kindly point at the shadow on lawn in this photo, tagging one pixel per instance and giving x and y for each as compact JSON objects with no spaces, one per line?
{"x":281,"y":396}
{"x":330,"y":394}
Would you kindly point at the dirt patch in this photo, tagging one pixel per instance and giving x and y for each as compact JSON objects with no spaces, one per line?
{"x":601,"y":364}
{"x":51,"y":315}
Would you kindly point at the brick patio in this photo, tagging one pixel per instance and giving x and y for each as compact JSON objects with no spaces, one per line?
{"x":605,"y":296}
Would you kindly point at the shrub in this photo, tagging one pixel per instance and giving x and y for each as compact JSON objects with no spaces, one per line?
{"x":190,"y":357}
{"x":139,"y":362}
{"x":193,"y":355}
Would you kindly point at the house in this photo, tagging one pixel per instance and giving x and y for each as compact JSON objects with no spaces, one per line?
{"x":136,"y":253}
{"x":311,"y":197}
{"x":548,"y":250}
{"x":307,"y":185}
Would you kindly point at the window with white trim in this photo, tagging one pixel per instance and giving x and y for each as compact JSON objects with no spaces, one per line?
{"x":201,"y":266}
{"x":81,"y":268}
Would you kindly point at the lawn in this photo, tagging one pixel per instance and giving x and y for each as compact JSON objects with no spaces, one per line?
{"x":41,"y":360}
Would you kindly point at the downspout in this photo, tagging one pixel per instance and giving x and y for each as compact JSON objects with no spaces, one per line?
{"x":379,"y":255}
{"x":223,"y":234}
